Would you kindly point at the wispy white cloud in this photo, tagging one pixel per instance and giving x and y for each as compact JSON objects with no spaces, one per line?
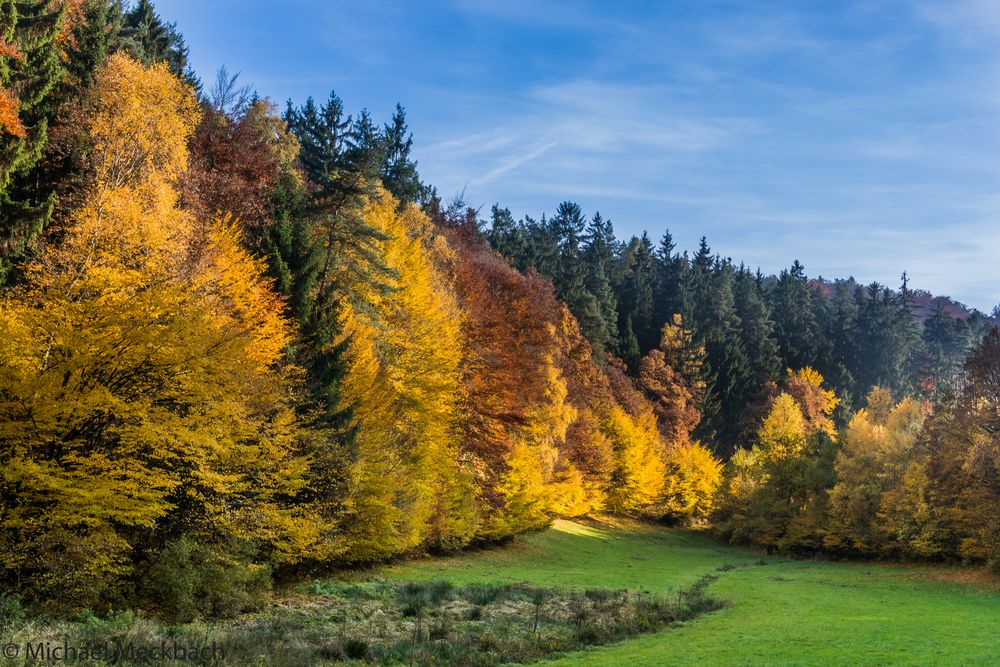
{"x":966,"y":20}
{"x":859,"y":137}
{"x":513,"y":162}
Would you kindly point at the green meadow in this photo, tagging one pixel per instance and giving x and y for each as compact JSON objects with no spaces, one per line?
{"x":782,"y":612}
{"x":614,"y":586}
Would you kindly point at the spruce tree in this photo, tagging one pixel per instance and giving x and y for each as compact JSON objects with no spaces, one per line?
{"x":796,"y":329}
{"x":150,"y":39}
{"x":637,"y":294}
{"x":574,"y":278}
{"x":343,"y":260}
{"x":844,"y":317}
{"x":30,"y":69}
{"x":503,"y":235}
{"x":598,"y":259}
{"x":720,"y":333}
{"x":399,"y":171}
{"x":95,"y":38}
{"x":756,"y":327}
{"x":946,"y":341}
{"x":669,"y":272}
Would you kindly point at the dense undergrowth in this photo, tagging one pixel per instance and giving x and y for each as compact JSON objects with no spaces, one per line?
{"x":378,"y":622}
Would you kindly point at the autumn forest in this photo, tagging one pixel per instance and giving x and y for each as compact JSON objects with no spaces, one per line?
{"x":243,"y":344}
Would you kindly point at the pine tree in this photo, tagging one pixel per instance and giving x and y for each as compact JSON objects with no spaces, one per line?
{"x":571,"y":276}
{"x":887,"y":337}
{"x":946,"y":341}
{"x":844,"y":317}
{"x":399,"y":171}
{"x":97,"y":36}
{"x":756,"y":327}
{"x":669,"y":277}
{"x":344,"y":260}
{"x":506,"y":236}
{"x":796,"y":329}
{"x":30,"y":69}
{"x":600,"y":261}
{"x":636,"y":296}
{"x":149,"y":39}
{"x":733,"y":381}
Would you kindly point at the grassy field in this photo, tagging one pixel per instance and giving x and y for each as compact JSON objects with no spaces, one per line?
{"x":561,"y":589}
{"x":783,"y":612}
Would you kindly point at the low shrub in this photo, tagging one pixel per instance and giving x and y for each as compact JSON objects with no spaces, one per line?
{"x":189,"y":580}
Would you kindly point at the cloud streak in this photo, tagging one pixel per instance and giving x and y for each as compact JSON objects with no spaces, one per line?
{"x":858,"y":137}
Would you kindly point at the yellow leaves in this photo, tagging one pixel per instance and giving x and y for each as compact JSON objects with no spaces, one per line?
{"x":879,"y":444}
{"x":745,"y":472}
{"x":889,"y":433}
{"x":783,"y":433}
{"x":537,"y":483}
{"x":548,"y":421}
{"x":141,"y":361}
{"x":19,"y":357}
{"x":692,"y":477}
{"x":141,"y":123}
{"x":403,"y":384}
{"x":120,"y":229}
{"x":817,"y":404}
{"x":638,"y":476}
{"x":283,"y":145}
{"x":879,"y":404}
{"x":813,"y":378}
{"x":242,"y":302}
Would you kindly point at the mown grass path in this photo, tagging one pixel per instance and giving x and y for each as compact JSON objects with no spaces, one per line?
{"x":784,"y":612}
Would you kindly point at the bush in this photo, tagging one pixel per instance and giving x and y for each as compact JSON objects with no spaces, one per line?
{"x":696,"y":600}
{"x":11,"y":613}
{"x":189,"y":580}
{"x":356,"y":649}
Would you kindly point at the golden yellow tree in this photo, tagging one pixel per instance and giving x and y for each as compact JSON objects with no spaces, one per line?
{"x":408,"y":486}
{"x":783,"y":433}
{"x":638,"y":475}
{"x":691,"y":479}
{"x":877,"y":451}
{"x":141,"y":394}
{"x":534,"y":485}
{"x":816,"y":403}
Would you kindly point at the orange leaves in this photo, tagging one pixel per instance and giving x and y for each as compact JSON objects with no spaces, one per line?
{"x":73,"y":16}
{"x":8,"y":50}
{"x":230,"y":279}
{"x":817,"y":403}
{"x":672,"y":397}
{"x":9,"y":121}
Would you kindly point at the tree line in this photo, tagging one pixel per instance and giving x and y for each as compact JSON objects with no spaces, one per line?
{"x":902,"y":479}
{"x":748,"y":328}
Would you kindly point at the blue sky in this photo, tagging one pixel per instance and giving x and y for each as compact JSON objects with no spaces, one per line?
{"x":858,"y":137}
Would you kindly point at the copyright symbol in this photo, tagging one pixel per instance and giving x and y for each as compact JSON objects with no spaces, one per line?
{"x":10,"y":650}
